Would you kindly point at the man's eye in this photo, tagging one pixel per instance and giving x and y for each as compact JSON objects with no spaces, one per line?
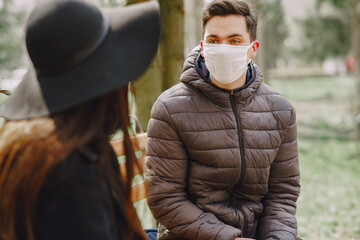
{"x":213,"y":41}
{"x":234,"y":41}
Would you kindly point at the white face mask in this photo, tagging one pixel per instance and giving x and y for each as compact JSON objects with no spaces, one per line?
{"x":226,"y":63}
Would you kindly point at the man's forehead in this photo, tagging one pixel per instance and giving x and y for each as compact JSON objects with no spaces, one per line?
{"x":226,"y":26}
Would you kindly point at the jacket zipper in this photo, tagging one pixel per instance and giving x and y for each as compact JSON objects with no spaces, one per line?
{"x":242,"y":153}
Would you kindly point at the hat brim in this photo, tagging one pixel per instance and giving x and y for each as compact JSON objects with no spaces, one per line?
{"x":124,"y":55}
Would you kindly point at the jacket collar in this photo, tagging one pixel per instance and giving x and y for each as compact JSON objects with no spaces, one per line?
{"x":194,"y":76}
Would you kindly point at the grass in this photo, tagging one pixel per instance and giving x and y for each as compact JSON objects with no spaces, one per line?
{"x":328,"y":206}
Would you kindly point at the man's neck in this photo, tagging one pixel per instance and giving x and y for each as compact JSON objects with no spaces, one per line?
{"x":240,"y":82}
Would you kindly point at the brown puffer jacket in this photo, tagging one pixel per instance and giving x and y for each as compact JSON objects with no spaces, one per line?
{"x":222,"y":164}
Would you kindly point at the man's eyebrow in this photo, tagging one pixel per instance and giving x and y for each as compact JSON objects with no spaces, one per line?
{"x":229,"y":36}
{"x":212,"y":35}
{"x":235,"y":35}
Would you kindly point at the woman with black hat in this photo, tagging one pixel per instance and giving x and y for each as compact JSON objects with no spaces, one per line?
{"x":59,"y":176}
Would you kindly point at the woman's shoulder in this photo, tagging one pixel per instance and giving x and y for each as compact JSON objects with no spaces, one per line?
{"x":75,"y":201}
{"x":73,"y":180}
{"x":79,"y":168}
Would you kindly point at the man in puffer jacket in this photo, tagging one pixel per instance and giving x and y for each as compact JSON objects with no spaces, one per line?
{"x":222,"y":158}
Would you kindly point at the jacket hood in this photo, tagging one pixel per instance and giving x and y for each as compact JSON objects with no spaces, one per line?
{"x":192,"y":75}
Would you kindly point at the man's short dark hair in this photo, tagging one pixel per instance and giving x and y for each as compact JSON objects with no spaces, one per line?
{"x":231,"y":7}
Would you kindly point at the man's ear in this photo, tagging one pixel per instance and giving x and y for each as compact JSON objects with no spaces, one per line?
{"x":202,"y":49}
{"x":255,"y":46}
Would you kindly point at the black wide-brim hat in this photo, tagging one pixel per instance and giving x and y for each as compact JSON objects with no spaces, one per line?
{"x":79,"y":52}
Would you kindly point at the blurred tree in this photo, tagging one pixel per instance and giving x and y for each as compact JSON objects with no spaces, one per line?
{"x":148,"y":87}
{"x":11,"y":48}
{"x":341,"y":35}
{"x":166,"y":68}
{"x":275,"y":31}
{"x":272,"y":32}
{"x":356,"y":52}
{"x":193,"y":23}
{"x":327,"y":35}
{"x":339,"y":4}
{"x":260,"y":59}
{"x":172,"y":41}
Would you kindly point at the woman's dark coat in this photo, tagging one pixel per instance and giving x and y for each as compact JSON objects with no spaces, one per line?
{"x":78,"y":202}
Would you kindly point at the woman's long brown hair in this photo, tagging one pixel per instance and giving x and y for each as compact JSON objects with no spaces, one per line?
{"x":30,"y":149}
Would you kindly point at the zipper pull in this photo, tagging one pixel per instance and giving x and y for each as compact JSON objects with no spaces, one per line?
{"x":232,"y":92}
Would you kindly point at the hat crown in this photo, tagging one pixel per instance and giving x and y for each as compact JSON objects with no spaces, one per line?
{"x":56,"y":30}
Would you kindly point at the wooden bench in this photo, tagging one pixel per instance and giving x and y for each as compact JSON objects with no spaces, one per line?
{"x":139,"y":191}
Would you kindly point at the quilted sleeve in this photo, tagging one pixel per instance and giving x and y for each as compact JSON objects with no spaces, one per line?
{"x":278,"y":219}
{"x":166,"y":175}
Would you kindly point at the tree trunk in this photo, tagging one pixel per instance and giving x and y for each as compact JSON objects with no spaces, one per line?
{"x":148,"y":87}
{"x":172,"y":41}
{"x":166,"y":68}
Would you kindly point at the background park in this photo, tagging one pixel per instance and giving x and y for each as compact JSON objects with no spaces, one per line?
{"x":309,"y":52}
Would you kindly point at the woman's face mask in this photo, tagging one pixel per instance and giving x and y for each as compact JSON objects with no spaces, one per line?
{"x":226,"y":63}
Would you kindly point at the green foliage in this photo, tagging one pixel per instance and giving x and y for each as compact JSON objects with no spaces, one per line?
{"x":275,"y":31}
{"x":327,"y":35}
{"x":339,"y":4}
{"x":11,"y":49}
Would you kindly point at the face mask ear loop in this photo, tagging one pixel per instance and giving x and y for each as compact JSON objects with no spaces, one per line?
{"x":248,"y":50}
